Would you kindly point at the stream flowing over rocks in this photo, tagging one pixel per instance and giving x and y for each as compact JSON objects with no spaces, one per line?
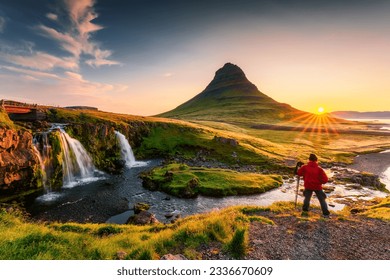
{"x":114,"y":198}
{"x":102,"y":197}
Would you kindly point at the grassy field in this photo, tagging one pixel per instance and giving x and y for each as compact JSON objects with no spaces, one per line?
{"x":226,"y":230}
{"x":20,"y":239}
{"x":170,"y":137}
{"x":184,"y":181}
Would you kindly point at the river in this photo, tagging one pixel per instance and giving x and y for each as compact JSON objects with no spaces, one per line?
{"x":101,"y":200}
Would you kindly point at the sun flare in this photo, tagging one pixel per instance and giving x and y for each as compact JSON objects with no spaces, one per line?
{"x":320,"y":110}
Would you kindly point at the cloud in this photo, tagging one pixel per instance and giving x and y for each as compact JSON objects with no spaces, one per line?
{"x":52,"y":16}
{"x":2,"y":24}
{"x":82,"y":14}
{"x":168,"y":75}
{"x":77,"y":38}
{"x":31,"y":73}
{"x":44,"y":84}
{"x":67,"y":41}
{"x":37,"y":75}
{"x":40,"y":61}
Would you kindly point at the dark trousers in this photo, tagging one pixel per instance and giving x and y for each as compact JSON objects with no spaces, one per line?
{"x":321,"y":198}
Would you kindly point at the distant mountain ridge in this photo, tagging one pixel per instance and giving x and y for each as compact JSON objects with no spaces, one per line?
{"x":230,"y":96}
{"x":361,"y":115}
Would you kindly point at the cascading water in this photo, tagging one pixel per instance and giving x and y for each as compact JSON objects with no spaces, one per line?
{"x":72,"y":160}
{"x":77,"y":164}
{"x":43,"y":151}
{"x":127,"y":153}
{"x":43,"y":168}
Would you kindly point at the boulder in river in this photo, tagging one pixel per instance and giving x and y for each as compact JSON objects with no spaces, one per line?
{"x":141,"y":206}
{"x":143,"y":218}
{"x":359,"y":178}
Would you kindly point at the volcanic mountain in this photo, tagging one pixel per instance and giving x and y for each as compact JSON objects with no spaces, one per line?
{"x":231,"y":97}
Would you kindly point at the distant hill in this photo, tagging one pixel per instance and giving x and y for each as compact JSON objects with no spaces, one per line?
{"x":82,"y":108}
{"x":361,"y":115}
{"x":231,"y":97}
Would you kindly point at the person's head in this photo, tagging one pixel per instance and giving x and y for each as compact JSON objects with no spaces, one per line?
{"x":313,"y":157}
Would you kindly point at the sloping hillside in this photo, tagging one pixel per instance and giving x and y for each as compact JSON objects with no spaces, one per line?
{"x":231,"y":97}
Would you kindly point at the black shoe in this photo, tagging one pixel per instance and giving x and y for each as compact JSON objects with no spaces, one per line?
{"x":305,"y":214}
{"x":326,"y":216}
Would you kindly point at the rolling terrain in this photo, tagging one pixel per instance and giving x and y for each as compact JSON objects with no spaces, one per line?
{"x":230,"y":132}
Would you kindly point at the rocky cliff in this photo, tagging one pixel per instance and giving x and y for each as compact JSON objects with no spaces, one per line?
{"x":19,"y":164}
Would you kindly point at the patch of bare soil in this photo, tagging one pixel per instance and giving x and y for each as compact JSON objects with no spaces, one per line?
{"x":315,"y":238}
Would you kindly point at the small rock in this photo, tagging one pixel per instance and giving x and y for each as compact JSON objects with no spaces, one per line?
{"x":143,"y":218}
{"x":356,"y":210}
{"x":173,"y":257}
{"x":121,"y":255}
{"x":169,"y":215}
{"x":328,"y":189}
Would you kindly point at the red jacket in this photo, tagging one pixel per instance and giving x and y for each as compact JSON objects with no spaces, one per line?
{"x":313,"y":176}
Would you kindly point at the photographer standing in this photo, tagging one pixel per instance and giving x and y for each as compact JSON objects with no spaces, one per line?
{"x":313,"y":177}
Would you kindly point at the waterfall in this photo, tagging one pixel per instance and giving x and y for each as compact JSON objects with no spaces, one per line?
{"x":43,"y":169}
{"x":126,"y":152}
{"x":70,"y":158}
{"x":43,"y":150}
{"x":77,"y":164}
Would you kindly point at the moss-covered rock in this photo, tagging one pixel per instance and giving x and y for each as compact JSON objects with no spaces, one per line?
{"x":184,"y":181}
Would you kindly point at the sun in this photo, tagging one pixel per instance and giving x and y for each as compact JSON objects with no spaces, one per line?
{"x":320,"y":110}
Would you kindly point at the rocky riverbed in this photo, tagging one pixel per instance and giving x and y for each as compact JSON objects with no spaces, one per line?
{"x":112,"y":199}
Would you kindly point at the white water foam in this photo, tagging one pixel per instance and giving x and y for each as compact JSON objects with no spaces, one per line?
{"x":77,"y":166}
{"x":127,"y":153}
{"x":77,"y":163}
{"x":385,"y":178}
{"x":48,"y":197}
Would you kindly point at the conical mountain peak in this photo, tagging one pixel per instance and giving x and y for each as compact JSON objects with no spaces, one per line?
{"x":230,"y":71}
{"x":231,"y":97}
{"x":228,"y":75}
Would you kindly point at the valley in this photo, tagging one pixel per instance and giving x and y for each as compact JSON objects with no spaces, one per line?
{"x":216,"y":163}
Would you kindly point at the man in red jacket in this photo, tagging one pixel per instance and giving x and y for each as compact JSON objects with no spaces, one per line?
{"x":313,"y":177}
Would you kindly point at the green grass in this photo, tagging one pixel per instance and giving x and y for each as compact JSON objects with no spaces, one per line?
{"x":159,"y":137}
{"x":23,"y":240}
{"x":379,"y":211}
{"x":4,"y":120}
{"x":238,"y":244}
{"x":227,"y":229}
{"x":184,"y":181}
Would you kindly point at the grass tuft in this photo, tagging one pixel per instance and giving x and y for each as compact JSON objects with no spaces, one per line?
{"x":108,"y":230}
{"x":237,"y":246}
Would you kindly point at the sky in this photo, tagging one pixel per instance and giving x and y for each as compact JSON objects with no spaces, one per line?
{"x":145,"y":57}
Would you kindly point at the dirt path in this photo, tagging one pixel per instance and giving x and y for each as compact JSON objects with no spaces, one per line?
{"x":293,"y":237}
